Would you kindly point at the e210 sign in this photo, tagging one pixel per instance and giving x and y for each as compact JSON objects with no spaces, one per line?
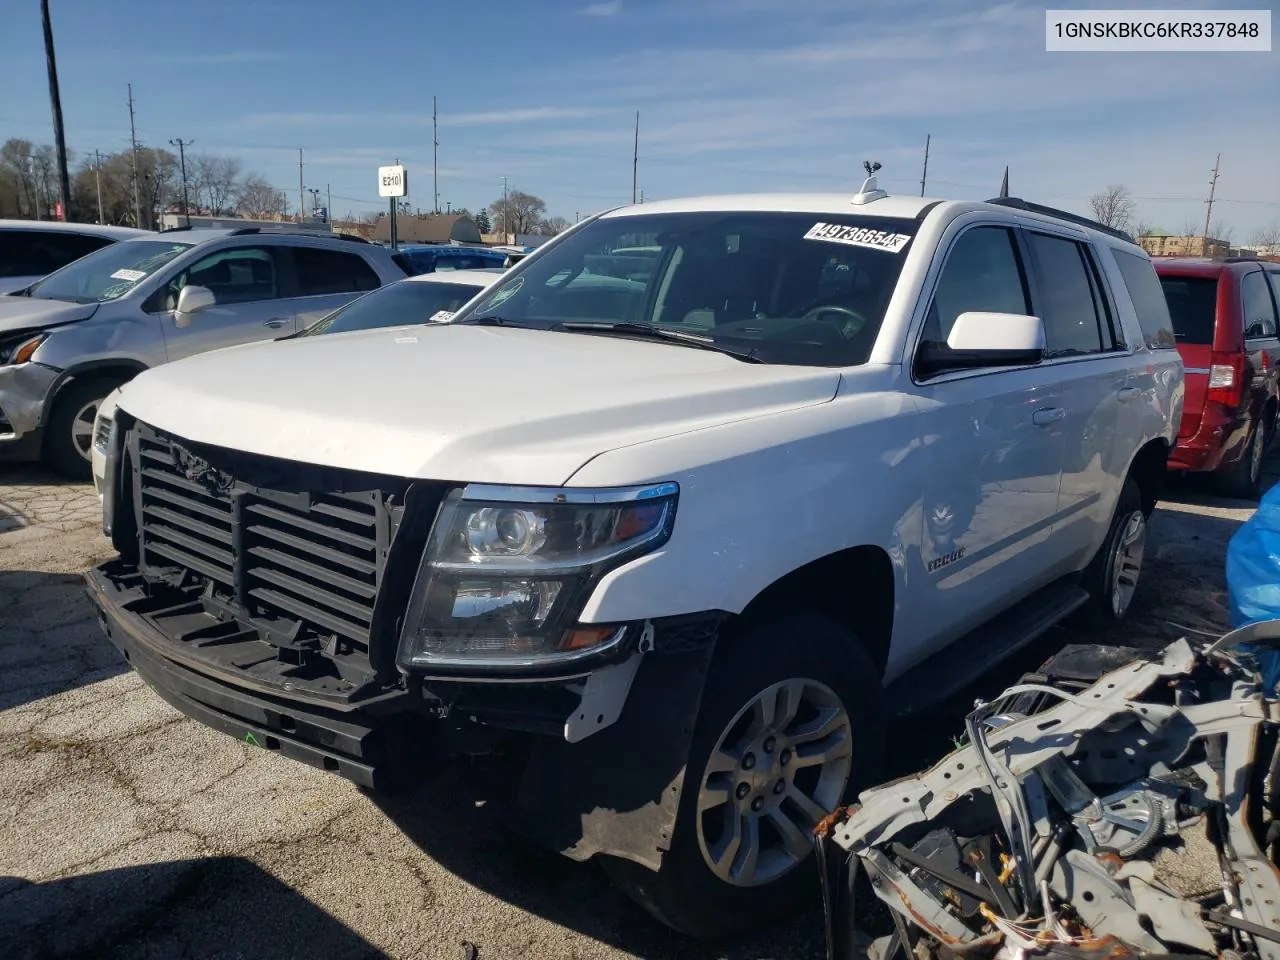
{"x":393,"y":181}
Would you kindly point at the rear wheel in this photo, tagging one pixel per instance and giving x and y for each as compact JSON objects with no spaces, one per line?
{"x":1112,"y":577}
{"x":1240,"y":480}
{"x":789,"y":729}
{"x":68,"y":440}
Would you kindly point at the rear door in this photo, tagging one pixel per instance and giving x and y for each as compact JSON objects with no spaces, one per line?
{"x":326,"y":280}
{"x":1193,"y":307}
{"x":1087,"y":359}
{"x":248,"y":285}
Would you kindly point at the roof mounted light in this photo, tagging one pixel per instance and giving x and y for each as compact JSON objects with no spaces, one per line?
{"x":870,"y":189}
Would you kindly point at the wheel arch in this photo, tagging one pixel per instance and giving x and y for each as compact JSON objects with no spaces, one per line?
{"x":1147,"y":469}
{"x":854,"y":587}
{"x":121,"y":370}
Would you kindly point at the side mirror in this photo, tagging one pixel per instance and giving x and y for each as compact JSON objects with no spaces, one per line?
{"x":983,"y":340}
{"x":191,"y":300}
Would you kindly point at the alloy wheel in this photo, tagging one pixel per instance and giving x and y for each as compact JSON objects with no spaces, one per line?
{"x":780,"y":766}
{"x":82,"y":428}
{"x":1126,"y":562}
{"x":1256,"y":450}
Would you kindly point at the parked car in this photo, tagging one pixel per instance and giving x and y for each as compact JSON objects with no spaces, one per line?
{"x":681,"y":542}
{"x":1225,"y":319}
{"x":426,"y":258}
{"x":31,"y":249}
{"x":72,"y":337}
{"x":431,"y":297}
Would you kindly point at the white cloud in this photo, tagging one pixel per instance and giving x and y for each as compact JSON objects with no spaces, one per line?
{"x":602,"y":8}
{"x":525,"y":115}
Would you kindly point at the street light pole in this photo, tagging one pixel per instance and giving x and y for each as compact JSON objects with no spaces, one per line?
{"x":182,"y":160}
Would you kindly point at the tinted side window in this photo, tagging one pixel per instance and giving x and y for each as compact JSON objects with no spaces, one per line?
{"x":29,"y":253}
{"x":238,"y":275}
{"x":1148,"y":296}
{"x":1259,"y":311}
{"x":328,"y":271}
{"x":1192,"y":303}
{"x":982,"y":273}
{"x":1274,"y":277}
{"x":1066,"y":301}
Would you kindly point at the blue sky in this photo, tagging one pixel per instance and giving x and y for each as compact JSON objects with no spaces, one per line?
{"x":733,"y":95}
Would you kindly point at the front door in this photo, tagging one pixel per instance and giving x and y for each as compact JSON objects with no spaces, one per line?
{"x":994,"y":446}
{"x":248,"y":302}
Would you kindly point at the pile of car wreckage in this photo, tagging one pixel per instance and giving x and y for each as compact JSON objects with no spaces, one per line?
{"x":1073,"y":818}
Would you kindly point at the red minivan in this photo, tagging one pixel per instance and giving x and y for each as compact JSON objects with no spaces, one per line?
{"x":1225,"y":317}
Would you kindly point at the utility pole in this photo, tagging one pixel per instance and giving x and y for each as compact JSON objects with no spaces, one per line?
{"x":328,"y":196}
{"x":133,"y":143}
{"x":635,"y":158}
{"x":302,"y":206}
{"x":97,"y":182}
{"x":642,"y":194}
{"x":182,"y":160}
{"x":435,"y":171}
{"x":1209,"y":208}
{"x":59,"y":136}
{"x":506,"y":215}
{"x":924,"y":174}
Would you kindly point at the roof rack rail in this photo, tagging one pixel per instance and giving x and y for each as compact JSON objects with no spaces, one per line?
{"x":1243,"y":258}
{"x":173,"y":229}
{"x":1019,"y":204}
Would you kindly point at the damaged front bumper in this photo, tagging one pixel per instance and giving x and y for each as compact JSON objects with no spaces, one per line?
{"x":604,"y":751}
{"x":1044,"y":833}
{"x":24,"y":392}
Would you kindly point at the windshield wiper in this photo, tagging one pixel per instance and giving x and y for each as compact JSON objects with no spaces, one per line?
{"x":627,"y":329}
{"x":493,"y":320}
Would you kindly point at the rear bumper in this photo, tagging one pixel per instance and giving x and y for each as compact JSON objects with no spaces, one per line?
{"x":351,"y":744}
{"x":1214,"y":445}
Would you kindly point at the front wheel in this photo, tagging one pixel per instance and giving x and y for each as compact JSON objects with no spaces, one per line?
{"x":68,"y":441}
{"x":790,"y":728}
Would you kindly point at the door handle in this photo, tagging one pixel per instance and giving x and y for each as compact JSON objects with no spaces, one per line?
{"x":276,"y":322}
{"x":1125,"y":394}
{"x":1042,"y":418}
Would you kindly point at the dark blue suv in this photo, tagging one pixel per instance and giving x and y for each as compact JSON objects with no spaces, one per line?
{"x":428,"y":258}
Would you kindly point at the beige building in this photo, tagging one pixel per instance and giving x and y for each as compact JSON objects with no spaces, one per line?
{"x":1161,"y":244}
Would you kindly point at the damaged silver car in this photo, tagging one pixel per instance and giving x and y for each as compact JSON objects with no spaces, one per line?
{"x":1064,"y":823}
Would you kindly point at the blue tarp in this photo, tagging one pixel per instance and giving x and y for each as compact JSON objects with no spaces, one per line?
{"x":1253,"y":577}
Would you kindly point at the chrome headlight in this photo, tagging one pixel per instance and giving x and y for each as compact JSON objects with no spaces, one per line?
{"x":507,"y":571}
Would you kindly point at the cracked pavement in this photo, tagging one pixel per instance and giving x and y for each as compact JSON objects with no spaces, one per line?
{"x":127,"y":830}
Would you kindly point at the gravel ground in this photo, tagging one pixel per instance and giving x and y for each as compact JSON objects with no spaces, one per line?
{"x":127,"y":830}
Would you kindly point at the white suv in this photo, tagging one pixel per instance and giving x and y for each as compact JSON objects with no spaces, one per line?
{"x":681,"y":507}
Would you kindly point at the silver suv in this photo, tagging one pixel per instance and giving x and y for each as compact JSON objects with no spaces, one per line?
{"x":73,"y":337}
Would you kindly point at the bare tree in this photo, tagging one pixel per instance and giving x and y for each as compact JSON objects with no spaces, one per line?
{"x":1113,"y":207}
{"x":1267,"y":238}
{"x":1221,"y":231}
{"x":258,"y":199}
{"x":213,"y":180}
{"x":553,"y":225}
{"x":519,"y":213}
{"x":1141,"y":229}
{"x":1190,"y":229}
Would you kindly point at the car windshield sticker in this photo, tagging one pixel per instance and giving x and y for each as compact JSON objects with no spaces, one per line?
{"x":505,"y":294}
{"x":441,"y":316}
{"x":133,"y":276}
{"x":858,"y":236}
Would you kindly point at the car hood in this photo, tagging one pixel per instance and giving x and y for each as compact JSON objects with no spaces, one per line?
{"x":24,"y":313}
{"x":460,"y":403}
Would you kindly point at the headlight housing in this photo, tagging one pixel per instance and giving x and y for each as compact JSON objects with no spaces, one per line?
{"x":507,"y":571}
{"x":16,"y":350}
{"x":102,"y":428}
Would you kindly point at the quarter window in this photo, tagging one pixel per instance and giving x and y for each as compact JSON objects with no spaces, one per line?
{"x":982,"y":274}
{"x":1066,"y":299}
{"x":1153,"y":298}
{"x":1259,"y":311}
{"x":328,"y":271}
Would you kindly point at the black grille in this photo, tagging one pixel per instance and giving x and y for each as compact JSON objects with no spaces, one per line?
{"x":304,"y":565}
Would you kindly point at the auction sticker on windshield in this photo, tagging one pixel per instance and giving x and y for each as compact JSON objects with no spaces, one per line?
{"x":858,"y":236}
{"x":133,"y":276}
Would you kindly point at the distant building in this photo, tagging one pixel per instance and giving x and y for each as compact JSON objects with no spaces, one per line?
{"x":442,"y":228}
{"x":1158,"y":243}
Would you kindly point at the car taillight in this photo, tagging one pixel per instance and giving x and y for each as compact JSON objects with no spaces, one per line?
{"x":1226,"y":378}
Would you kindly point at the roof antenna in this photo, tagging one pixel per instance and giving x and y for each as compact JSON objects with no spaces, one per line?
{"x":1004,"y":185}
{"x":870,"y":189}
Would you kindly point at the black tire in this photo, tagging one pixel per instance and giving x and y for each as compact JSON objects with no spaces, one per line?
{"x":1099,"y":578}
{"x":1240,"y":481}
{"x":685,"y":894}
{"x":60,"y":450}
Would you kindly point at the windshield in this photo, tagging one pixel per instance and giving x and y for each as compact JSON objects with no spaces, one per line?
{"x":396,"y":305}
{"x":108,"y":273}
{"x":1193,"y":305}
{"x":783,"y":287}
